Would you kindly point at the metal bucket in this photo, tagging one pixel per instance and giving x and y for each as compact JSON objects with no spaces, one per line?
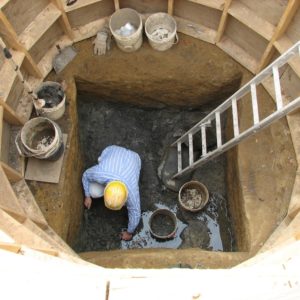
{"x":168,"y":219}
{"x":118,"y":19}
{"x":161,"y":22}
{"x":57,"y":108}
{"x":40,"y":138}
{"x":193,"y":196}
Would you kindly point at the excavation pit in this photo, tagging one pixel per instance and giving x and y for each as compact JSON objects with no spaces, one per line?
{"x":149,"y":132}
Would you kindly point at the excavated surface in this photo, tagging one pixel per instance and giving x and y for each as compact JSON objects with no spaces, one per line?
{"x":149,"y":132}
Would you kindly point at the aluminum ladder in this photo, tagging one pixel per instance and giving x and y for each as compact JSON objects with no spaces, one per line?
{"x":281,"y":110}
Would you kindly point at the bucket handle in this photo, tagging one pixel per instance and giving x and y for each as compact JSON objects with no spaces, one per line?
{"x":176,"y":40}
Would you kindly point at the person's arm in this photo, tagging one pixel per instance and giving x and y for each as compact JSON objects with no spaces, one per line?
{"x":134,"y":216}
{"x":88,"y":176}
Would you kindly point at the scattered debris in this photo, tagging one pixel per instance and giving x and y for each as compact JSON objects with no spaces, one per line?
{"x":160,"y":34}
{"x":44,"y":143}
{"x":191,"y":198}
{"x":126,"y":30}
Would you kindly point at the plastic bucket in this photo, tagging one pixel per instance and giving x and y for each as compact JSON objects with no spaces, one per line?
{"x":118,"y":19}
{"x":193,"y":196}
{"x":58,"y":109}
{"x":163,"y":224}
{"x":161,"y":22}
{"x":41,"y":138}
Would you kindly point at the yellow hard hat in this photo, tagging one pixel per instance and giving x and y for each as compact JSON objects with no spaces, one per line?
{"x":115,"y":195}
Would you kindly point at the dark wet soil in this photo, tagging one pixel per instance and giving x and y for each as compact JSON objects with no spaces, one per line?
{"x":149,"y":132}
{"x":52,"y":95}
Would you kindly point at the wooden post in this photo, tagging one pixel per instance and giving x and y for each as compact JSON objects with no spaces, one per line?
{"x":171,"y":7}
{"x":64,"y":21}
{"x":117,"y":4}
{"x":284,"y":22}
{"x":10,"y":115}
{"x":223,"y":20}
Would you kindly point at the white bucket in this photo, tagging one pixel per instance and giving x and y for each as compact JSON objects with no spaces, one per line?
{"x":53,"y":113}
{"x":119,"y":19}
{"x":161,"y":22}
{"x":41,"y":138}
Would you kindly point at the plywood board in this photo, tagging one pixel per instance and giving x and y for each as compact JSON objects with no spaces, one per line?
{"x":293,"y":31}
{"x":91,"y":13}
{"x":269,"y":10}
{"x":21,"y":13}
{"x":145,"y":6}
{"x":46,"y":42}
{"x":43,"y":170}
{"x":197,"y":13}
{"x":245,"y":38}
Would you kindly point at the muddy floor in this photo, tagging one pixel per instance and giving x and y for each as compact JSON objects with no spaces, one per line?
{"x":149,"y":132}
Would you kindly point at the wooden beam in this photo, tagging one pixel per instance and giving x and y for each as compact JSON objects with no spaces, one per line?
{"x":10,"y":115}
{"x":117,"y":4}
{"x":64,"y":21}
{"x":223,"y":20}
{"x":12,"y":174}
{"x":15,"y":248}
{"x":284,"y":22}
{"x":171,"y":7}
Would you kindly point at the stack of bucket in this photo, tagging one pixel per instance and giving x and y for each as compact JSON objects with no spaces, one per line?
{"x":160,"y":29}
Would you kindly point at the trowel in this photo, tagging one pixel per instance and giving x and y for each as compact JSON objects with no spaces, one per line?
{"x":63,"y":58}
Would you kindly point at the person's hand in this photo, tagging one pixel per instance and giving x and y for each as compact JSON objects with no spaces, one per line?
{"x":126,"y":236}
{"x":88,"y":202}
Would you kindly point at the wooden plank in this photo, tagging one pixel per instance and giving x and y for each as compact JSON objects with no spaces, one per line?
{"x":88,"y":30}
{"x":11,"y":174}
{"x":20,"y":233}
{"x":10,"y":115}
{"x":217,"y":4}
{"x":10,"y":247}
{"x":117,"y":4}
{"x":46,"y":63}
{"x":146,"y":6}
{"x":171,"y":7}
{"x":21,"y":13}
{"x":80,"y":4}
{"x":91,"y":13}
{"x":238,"y":54}
{"x":28,"y":203}
{"x":198,"y":14}
{"x":8,"y":74}
{"x":39,"y":26}
{"x":283,"y":24}
{"x":250,"y":19}
{"x":223,"y":21}
{"x":8,"y":200}
{"x":293,"y":31}
{"x":196,"y":30}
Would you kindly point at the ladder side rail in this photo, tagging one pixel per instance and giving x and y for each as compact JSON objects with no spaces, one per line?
{"x":280,"y":61}
{"x":250,"y":131}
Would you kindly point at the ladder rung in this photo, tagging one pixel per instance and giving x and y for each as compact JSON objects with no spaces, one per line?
{"x":218,"y":129}
{"x":254,"y":104}
{"x":277,"y":88}
{"x":235,"y":118}
{"x":179,"y":153}
{"x":191,"y":149}
{"x":203,"y":139}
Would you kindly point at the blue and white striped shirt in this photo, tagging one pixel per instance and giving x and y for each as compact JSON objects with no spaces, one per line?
{"x":117,"y":163}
